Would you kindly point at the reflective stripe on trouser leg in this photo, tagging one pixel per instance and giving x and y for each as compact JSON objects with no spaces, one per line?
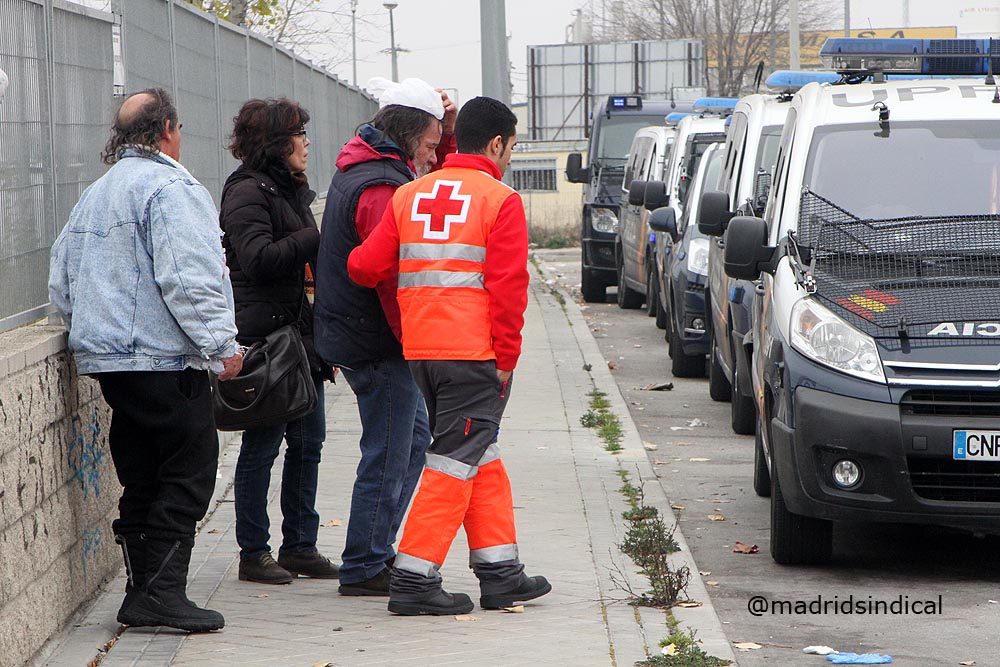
{"x":434,"y":519}
{"x":489,"y":521}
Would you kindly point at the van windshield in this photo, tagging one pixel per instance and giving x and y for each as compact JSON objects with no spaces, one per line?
{"x":615,"y":138}
{"x":913,"y":169}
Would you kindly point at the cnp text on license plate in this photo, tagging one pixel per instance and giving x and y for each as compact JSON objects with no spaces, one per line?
{"x":971,"y":445}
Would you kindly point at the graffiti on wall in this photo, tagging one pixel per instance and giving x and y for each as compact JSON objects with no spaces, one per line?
{"x":86,"y":455}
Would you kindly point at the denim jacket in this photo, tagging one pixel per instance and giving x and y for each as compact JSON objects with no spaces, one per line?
{"x":138,"y":272}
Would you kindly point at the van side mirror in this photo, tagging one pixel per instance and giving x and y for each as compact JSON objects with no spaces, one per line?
{"x":656,"y":195}
{"x":575,"y":171}
{"x":664,"y":219}
{"x":713,"y":213}
{"x":747,"y":253}
{"x":636,"y":193}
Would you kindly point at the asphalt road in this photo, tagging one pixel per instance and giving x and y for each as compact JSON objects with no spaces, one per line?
{"x":706,"y":470}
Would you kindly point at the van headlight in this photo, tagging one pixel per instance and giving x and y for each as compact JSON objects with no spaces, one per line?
{"x":829,"y":340}
{"x":604,"y":220}
{"x":698,"y":256}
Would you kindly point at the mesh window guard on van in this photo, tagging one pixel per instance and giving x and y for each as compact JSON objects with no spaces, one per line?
{"x":903,"y":277}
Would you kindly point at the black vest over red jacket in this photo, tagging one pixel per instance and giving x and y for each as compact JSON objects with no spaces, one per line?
{"x":350,"y":326}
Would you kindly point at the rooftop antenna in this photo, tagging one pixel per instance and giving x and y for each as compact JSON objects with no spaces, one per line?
{"x":758,"y":76}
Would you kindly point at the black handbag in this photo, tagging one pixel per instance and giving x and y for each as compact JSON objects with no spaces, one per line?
{"x":275,"y":385}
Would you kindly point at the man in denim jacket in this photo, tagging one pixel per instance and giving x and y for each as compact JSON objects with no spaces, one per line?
{"x":139,"y":276}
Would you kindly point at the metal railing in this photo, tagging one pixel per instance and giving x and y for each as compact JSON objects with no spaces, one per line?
{"x":55,"y":119}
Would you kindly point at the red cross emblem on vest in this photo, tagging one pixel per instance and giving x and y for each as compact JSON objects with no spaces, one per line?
{"x":439,"y":208}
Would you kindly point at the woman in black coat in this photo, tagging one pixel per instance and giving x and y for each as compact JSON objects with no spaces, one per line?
{"x":271,"y":240}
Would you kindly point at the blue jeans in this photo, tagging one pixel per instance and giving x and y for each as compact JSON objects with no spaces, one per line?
{"x":299,"y":473}
{"x":394,"y":439}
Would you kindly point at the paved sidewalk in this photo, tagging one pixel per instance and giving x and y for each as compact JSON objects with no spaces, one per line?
{"x":568,"y":513}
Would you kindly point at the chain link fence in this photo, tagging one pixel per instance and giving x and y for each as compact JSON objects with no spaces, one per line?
{"x":61,"y":59}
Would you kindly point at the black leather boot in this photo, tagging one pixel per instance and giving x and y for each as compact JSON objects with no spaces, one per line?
{"x":505,"y":584}
{"x":411,"y":594}
{"x":163,"y":600}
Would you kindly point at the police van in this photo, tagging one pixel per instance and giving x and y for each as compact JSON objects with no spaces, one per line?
{"x":615,"y":121}
{"x":647,"y":159}
{"x":751,"y":148}
{"x":876,"y":361}
{"x":667,"y":186}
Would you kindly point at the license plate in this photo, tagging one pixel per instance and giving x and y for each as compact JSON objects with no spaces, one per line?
{"x":971,"y":445}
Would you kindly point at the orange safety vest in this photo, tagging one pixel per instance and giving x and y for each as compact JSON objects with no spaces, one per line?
{"x":444,"y":221}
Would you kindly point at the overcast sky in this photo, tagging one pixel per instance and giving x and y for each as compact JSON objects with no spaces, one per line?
{"x":443,"y":35}
{"x":443,"y":39}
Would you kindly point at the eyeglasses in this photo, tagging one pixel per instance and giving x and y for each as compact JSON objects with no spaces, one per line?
{"x":300,"y":133}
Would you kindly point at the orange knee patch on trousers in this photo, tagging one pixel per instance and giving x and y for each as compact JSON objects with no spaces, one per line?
{"x":489,"y":519}
{"x":437,"y":512}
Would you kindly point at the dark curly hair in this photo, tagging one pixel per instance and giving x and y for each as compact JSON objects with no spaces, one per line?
{"x":405,"y":126}
{"x":144,"y":127}
{"x":263,"y":129}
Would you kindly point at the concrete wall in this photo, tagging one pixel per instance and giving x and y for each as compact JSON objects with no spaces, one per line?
{"x":58,"y":490}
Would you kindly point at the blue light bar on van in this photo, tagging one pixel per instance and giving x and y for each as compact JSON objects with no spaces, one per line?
{"x":715,"y":104}
{"x":674,"y":117}
{"x":619,"y":102}
{"x":789,"y":81}
{"x":929,"y":57}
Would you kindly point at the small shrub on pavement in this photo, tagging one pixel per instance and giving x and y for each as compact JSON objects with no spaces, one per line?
{"x":682,"y":651}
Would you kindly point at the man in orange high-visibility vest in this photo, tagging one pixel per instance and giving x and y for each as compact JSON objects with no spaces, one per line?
{"x":460,"y":241}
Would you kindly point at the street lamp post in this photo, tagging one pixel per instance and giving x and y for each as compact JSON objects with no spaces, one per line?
{"x":354,"y":41}
{"x":392,"y":39}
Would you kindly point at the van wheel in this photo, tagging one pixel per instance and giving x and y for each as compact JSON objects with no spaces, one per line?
{"x":761,"y":475}
{"x":662,"y":317}
{"x":628,"y":298}
{"x":718,"y":386}
{"x":593,"y":288}
{"x":796,"y":539}
{"x":684,"y":365}
{"x":743,"y":412}
{"x":652,"y":289}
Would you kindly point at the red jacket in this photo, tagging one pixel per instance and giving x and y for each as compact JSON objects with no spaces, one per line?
{"x":372,"y":205}
{"x":495,"y":219}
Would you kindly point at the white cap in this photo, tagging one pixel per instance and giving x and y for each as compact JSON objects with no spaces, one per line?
{"x":414,"y":93}
{"x":3,"y":84}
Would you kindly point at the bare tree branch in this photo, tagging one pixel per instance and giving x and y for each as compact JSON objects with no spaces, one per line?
{"x":738,"y":34}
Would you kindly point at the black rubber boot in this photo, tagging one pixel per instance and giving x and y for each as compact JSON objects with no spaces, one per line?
{"x":163,"y":601}
{"x":505,"y":584}
{"x":134,"y":554}
{"x":411,"y":594}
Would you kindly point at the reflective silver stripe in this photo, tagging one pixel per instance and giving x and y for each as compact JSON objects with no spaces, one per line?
{"x":492,"y":454}
{"x":464,"y":251}
{"x":495,"y":554}
{"x":424,"y":568}
{"x":472,"y":279}
{"x":451,"y":467}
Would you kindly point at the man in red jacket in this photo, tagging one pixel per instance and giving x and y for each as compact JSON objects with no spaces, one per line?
{"x":357,"y":329}
{"x":459,"y":240}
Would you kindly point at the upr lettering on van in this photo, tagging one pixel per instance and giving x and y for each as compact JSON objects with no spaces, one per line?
{"x":910,"y":94}
{"x":967,"y":329}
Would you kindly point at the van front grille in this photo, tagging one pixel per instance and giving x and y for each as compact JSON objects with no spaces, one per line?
{"x":951,"y":403}
{"x":956,"y":481}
